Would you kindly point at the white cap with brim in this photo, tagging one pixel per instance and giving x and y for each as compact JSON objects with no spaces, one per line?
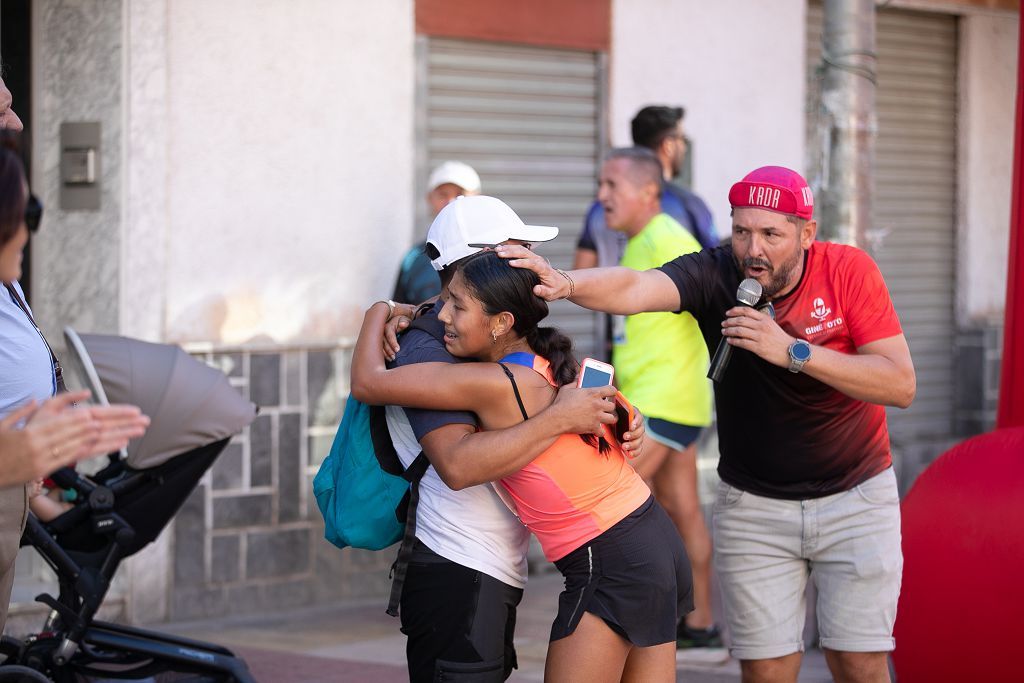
{"x":469,"y":224}
{"x":456,"y":173}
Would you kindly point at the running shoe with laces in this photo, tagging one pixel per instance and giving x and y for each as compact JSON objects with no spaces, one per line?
{"x":689,"y":638}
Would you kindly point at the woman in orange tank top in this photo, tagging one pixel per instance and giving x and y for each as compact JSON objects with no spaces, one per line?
{"x":626,"y":573}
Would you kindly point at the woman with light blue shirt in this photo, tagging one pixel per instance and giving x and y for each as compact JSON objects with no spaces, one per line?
{"x":56,"y":435}
{"x":26,"y":369}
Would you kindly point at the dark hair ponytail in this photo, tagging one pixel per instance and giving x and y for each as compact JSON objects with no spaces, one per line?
{"x":556,"y":347}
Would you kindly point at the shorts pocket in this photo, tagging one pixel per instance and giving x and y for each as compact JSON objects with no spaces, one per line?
{"x":492,"y":671}
{"x":880,"y":489}
{"x":727,"y":496}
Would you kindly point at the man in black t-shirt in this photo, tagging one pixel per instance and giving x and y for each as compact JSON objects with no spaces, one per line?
{"x":807,"y":487}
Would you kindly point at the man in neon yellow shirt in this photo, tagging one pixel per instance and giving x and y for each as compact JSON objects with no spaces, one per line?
{"x":661,"y":363}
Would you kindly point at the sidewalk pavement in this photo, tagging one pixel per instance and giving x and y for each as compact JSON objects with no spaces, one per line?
{"x":355,"y":641}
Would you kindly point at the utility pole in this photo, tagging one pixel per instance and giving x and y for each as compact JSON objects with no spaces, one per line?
{"x":848,"y":102}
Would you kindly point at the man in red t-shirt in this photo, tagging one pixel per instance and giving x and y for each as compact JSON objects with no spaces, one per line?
{"x":807,"y":486}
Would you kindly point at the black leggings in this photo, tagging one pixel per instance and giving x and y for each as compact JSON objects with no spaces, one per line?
{"x":459,"y":621}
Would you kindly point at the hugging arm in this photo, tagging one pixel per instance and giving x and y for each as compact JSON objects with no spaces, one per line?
{"x":464,"y":457}
{"x":461,"y":455}
{"x":400,"y":319}
{"x":466,"y":386}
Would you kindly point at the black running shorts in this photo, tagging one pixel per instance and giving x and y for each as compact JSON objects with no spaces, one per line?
{"x":635,"y":576}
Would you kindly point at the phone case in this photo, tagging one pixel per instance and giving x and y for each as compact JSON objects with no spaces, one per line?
{"x":624,"y":411}
{"x":597,"y":365}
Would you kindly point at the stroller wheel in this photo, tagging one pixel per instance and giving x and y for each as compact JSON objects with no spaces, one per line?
{"x":15,"y":673}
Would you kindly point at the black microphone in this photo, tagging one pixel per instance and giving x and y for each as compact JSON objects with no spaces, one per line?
{"x":748,"y":294}
{"x":767,"y":308}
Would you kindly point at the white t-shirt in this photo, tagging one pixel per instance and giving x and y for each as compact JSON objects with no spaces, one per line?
{"x":471,"y":527}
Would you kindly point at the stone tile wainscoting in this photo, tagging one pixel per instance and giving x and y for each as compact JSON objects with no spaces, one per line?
{"x":978,"y":350}
{"x":979,"y":356}
{"x":250,"y":538}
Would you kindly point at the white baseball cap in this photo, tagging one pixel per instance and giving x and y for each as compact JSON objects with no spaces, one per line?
{"x":456,"y":173}
{"x":469,"y":224}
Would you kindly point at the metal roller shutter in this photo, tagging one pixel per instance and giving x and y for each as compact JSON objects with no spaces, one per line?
{"x":528,"y":119}
{"x":915,"y":190}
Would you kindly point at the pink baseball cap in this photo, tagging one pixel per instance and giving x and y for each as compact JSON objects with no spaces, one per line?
{"x":774,"y":188}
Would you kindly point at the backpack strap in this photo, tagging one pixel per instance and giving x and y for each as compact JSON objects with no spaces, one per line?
{"x":410,"y":502}
{"x":405,"y":511}
{"x":58,"y":373}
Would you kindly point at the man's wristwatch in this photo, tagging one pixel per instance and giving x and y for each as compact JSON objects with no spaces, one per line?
{"x":799,"y":354}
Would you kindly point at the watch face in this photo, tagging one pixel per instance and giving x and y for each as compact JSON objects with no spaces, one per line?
{"x":800,"y":351}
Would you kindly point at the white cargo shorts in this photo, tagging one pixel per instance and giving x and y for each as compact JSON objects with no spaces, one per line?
{"x":848,"y":544}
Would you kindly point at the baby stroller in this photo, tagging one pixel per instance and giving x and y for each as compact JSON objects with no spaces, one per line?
{"x":194,"y":412}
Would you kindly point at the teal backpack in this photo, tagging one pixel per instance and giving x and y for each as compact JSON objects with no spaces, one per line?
{"x":368,"y":499}
{"x":362,"y":489}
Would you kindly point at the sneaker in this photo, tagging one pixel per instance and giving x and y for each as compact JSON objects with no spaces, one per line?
{"x":687,"y":638}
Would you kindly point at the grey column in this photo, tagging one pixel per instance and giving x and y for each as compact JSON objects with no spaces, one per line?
{"x":845,"y":212}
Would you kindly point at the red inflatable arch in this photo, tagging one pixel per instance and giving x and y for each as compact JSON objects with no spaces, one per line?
{"x":961,"y":610}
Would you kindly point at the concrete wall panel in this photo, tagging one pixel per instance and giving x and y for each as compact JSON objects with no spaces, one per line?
{"x":737,"y":67}
{"x":988,"y":59}
{"x":290,"y":154}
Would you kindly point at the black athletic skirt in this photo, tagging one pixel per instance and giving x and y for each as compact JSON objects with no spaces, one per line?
{"x":636,"y":576}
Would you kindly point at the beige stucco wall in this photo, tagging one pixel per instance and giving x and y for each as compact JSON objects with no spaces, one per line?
{"x":988,"y":87}
{"x":737,"y":67}
{"x":289,"y":176}
{"x":257,"y":161}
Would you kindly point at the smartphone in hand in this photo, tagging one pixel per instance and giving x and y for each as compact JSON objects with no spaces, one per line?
{"x":594,"y":373}
{"x":624,"y":413}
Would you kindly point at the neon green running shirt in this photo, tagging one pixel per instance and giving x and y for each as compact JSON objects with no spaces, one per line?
{"x":661,"y":361}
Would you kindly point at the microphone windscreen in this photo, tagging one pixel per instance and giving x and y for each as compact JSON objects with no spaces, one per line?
{"x":749,"y":292}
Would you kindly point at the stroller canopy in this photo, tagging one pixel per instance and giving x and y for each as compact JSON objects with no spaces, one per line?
{"x":190,"y":404}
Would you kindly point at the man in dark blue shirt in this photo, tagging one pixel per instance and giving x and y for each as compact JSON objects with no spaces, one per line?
{"x":659,"y":129}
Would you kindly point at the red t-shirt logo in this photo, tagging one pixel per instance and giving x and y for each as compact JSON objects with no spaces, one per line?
{"x":821,"y":311}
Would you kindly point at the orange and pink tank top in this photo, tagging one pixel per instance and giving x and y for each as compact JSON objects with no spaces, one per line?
{"x":571,"y":493}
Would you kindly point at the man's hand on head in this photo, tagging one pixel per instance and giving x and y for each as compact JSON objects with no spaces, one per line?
{"x":553,"y":284}
{"x":583,"y":411}
{"x":750,"y":329}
